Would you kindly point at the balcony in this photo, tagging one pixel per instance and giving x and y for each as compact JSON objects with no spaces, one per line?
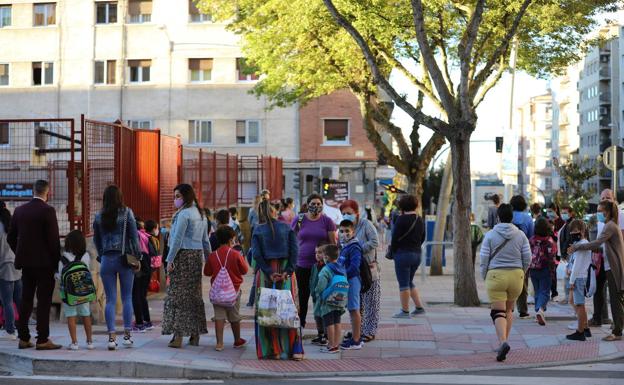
{"x":605,"y":73}
{"x":605,"y":98}
{"x":605,"y":122}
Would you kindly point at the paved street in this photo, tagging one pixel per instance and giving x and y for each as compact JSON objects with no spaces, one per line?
{"x":607,"y":373}
{"x":445,"y":339}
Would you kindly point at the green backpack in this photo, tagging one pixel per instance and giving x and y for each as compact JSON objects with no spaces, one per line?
{"x":77,"y":285}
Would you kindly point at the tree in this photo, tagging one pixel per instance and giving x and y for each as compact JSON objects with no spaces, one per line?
{"x":303,"y":54}
{"x":460,"y":49}
{"x":574,"y":194}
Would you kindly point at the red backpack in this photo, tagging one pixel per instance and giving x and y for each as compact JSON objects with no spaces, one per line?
{"x":542,"y":254}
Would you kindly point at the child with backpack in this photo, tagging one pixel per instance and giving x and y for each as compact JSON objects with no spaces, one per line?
{"x":226,"y":267}
{"x":332,"y":292}
{"x":579,"y":277}
{"x":151,"y":227}
{"x":351,"y":258}
{"x":142,"y":319}
{"x":321,"y":337}
{"x":541,"y":268}
{"x":77,"y":287}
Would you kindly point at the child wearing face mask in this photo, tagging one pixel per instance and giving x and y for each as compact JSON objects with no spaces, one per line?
{"x":350,"y":258}
{"x":321,"y":338}
{"x":578,"y":277}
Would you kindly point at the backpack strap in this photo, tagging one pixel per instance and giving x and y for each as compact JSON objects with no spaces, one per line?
{"x":226,"y":258}
{"x":64,"y":260}
{"x":299,"y":222}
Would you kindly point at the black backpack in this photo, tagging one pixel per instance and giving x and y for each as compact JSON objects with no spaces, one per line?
{"x":366,"y":277}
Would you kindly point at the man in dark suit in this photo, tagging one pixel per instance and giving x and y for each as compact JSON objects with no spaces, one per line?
{"x":34,"y":237}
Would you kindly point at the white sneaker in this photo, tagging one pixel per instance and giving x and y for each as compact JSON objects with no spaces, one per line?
{"x":112,"y":344}
{"x":73,"y":347}
{"x":127,"y":341}
{"x":11,"y":337}
{"x":90,"y":345}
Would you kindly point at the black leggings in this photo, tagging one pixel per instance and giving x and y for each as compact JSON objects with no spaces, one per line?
{"x":303,"y":284}
{"x":139,"y":298}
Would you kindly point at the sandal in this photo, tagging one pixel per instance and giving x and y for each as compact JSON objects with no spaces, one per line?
{"x":612,"y":337}
{"x":368,"y":338}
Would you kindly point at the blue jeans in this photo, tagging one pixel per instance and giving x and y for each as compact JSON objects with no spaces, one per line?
{"x":110,"y":269}
{"x":10,"y":291}
{"x":542,"y":283}
{"x":405,"y":265}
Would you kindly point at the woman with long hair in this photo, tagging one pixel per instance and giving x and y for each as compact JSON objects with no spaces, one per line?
{"x":611,"y":238}
{"x":108,"y":236}
{"x":10,"y":277}
{"x":274,"y":248}
{"x":184,"y":313}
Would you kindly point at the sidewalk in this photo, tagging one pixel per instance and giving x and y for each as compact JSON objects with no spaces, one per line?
{"x":445,"y":338}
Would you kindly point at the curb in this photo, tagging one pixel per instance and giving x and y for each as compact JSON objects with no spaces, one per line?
{"x":16,"y":363}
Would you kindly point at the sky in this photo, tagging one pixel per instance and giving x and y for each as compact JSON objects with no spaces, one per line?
{"x":493,"y":113}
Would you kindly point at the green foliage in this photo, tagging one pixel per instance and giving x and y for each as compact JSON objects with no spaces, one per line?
{"x":574,"y":194}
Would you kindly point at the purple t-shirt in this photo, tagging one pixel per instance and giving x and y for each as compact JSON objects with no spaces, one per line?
{"x":309,"y":236}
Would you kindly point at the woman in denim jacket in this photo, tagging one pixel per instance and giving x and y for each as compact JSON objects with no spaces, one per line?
{"x":184,"y":313}
{"x":274,"y":247}
{"x":107,"y":236}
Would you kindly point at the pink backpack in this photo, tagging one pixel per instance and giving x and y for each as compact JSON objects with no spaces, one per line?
{"x":222,"y":292}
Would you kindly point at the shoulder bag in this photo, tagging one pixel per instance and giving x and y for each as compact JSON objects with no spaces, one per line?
{"x":402,"y":237}
{"x":128,"y":260}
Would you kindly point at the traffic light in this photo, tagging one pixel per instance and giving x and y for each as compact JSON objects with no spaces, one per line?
{"x":325,"y":185}
{"x":297,"y":180}
{"x":499,"y":144}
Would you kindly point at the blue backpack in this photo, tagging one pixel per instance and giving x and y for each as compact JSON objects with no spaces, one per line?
{"x":337,"y":292}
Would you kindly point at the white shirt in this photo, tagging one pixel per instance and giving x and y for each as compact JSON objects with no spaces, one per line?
{"x":333,"y":213}
{"x":607,"y":267}
{"x":582,"y":260}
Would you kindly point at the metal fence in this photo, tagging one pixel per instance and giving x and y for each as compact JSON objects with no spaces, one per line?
{"x":32,"y":149}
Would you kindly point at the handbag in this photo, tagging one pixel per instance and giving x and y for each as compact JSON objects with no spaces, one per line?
{"x":402,"y":237}
{"x":128,"y":260}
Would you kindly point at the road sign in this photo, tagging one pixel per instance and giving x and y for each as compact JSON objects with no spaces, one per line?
{"x":613,"y":158}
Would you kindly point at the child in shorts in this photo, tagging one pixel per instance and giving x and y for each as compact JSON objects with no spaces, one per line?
{"x":237,"y":267}
{"x":578,"y":278}
{"x":330,"y":313}
{"x":75,"y":249}
{"x":321,"y":337}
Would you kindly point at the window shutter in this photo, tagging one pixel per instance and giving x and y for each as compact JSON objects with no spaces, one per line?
{"x":146,"y":7}
{"x":140,"y":7}
{"x":4,"y":69}
{"x":139,"y":63}
{"x":4,"y":133}
{"x":200,"y":64}
{"x":240,"y":128}
{"x":336,"y":128}
{"x":193,"y":8}
{"x":110,"y":71}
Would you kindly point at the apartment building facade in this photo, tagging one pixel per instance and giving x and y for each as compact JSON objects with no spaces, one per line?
{"x":150,"y":63}
{"x":599,"y":108}
{"x":535,"y":164}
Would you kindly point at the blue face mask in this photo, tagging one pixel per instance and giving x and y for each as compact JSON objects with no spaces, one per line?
{"x":601,"y":217}
{"x":565,"y":216}
{"x":349,"y":217}
{"x":550,"y":214}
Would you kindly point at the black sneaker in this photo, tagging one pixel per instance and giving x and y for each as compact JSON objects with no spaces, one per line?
{"x":524,"y":315}
{"x":576,"y":336}
{"x":347,"y":337}
{"x":502,"y":352}
{"x":587,"y":333}
{"x":320,"y":341}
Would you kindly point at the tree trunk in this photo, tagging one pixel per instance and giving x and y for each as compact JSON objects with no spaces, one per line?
{"x":442,"y":210}
{"x":415,"y":187}
{"x":465,"y":285}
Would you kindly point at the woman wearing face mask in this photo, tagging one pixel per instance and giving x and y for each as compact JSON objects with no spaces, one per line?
{"x":184,"y":313}
{"x":552,"y":212}
{"x":611,"y":237}
{"x":311,"y":228}
{"x":366,"y":233}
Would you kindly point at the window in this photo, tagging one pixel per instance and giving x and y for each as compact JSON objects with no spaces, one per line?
{"x":43,"y":139}
{"x":200,"y":131}
{"x":4,"y":134}
{"x":247,"y":131}
{"x":140,"y":11}
{"x":5,"y":16}
{"x":200,"y":70}
{"x":42,"y":73}
{"x":245,"y":72}
{"x":139,"y":70}
{"x":104,"y":72}
{"x":140,"y":124}
{"x":44,"y":14}
{"x":336,"y":131}
{"x":106,"y":12}
{"x":4,"y":74}
{"x":195,"y":16}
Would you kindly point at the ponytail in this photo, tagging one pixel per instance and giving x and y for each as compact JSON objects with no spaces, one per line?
{"x":264,"y":213}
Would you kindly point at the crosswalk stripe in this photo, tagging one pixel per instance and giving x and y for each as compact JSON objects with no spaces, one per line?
{"x":589,"y":367}
{"x":472,"y":379}
{"x":113,"y":380}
